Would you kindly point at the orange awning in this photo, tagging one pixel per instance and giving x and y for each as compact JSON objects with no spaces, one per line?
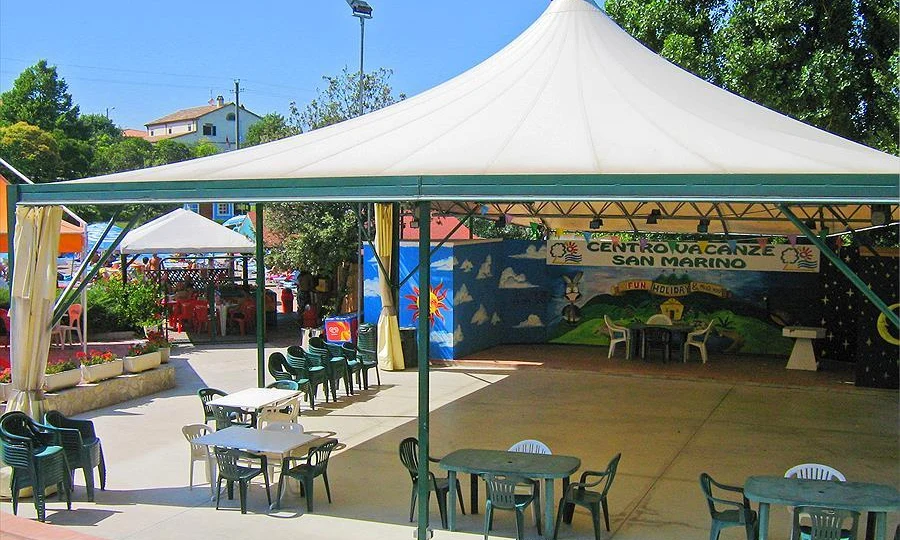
{"x":71,"y":237}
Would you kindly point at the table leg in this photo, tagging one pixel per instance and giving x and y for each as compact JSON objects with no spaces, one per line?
{"x":473,"y":493}
{"x":549,"y":503}
{"x":763,"y":521}
{"x":451,"y":501}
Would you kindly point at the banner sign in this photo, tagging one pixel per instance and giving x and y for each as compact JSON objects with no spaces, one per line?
{"x":668,"y":289}
{"x":760,"y":257}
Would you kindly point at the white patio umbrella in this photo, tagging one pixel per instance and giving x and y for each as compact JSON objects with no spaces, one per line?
{"x":33,"y":293}
{"x":390,"y":352}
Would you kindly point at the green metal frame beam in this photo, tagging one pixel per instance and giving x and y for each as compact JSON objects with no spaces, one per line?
{"x":260,"y":301}
{"x":424,"y":340}
{"x":775,"y":188}
{"x":840,"y":265}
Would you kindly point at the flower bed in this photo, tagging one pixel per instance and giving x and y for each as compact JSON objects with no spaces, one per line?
{"x":61,"y":374}
{"x":162,"y":343}
{"x":97,"y":366}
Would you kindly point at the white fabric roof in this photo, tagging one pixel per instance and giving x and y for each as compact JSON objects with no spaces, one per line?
{"x":574,"y":94}
{"x":183,"y":231}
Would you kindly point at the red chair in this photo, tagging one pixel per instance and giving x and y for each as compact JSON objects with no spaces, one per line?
{"x":4,"y":340}
{"x":201,"y":317}
{"x":244,"y":315}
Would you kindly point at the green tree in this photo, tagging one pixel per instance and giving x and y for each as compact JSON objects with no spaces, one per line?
{"x":203,"y":148}
{"x":340,"y":99}
{"x":271,"y":127}
{"x":98,"y":127}
{"x":125,"y":155}
{"x":31,"y":150}
{"x":170,"y":151}
{"x":41,"y":98}
{"x":320,"y":236}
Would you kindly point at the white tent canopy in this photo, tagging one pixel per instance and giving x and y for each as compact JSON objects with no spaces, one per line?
{"x":183,"y":231}
{"x":574,"y":94}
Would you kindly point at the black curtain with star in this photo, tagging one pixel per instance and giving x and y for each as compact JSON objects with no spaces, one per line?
{"x":839,"y":310}
{"x":877,"y":352}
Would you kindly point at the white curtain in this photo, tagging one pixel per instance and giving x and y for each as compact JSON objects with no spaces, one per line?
{"x":33,"y":293}
{"x":390,"y":352}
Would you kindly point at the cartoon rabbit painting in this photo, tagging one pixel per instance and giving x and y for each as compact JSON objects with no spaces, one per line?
{"x":572,"y":313}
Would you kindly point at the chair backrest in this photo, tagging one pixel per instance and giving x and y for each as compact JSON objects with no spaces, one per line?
{"x":660,"y":318}
{"x":409,"y":456}
{"x":317,"y":342}
{"x":317,"y":357}
{"x":191,"y":432}
{"x":284,"y":426}
{"x":85,"y":427}
{"x":348,"y":351}
{"x":827,"y":523}
{"x":611,"y":325}
{"x":227,"y":458}
{"x":814,"y":471}
{"x":318,"y":456}
{"x":335,"y":349}
{"x":75,"y":315}
{"x":276,"y":366}
{"x":530,"y":446}
{"x":207,"y":395}
{"x":501,"y":489}
{"x":367,"y":337}
{"x":610,"y":472}
{"x":704,"y":332}
{"x":707,"y":484}
{"x":19,"y":439}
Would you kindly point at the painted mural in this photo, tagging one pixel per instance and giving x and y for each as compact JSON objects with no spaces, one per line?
{"x":486,"y":293}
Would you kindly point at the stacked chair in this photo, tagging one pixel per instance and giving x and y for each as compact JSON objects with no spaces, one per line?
{"x":335,"y":366}
{"x":37,"y":458}
{"x":82,"y":448}
{"x":303,"y":368}
{"x":367,"y":352}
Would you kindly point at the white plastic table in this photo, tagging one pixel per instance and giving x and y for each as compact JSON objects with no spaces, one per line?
{"x":270,"y":441}
{"x":802,"y":355}
{"x":254,"y":398}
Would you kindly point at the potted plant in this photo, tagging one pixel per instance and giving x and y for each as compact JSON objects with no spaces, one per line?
{"x":61,"y":374}
{"x":5,"y":384}
{"x":162,"y":343}
{"x":142,"y":356}
{"x":97,"y":366}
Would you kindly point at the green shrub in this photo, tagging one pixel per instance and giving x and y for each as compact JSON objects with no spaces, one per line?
{"x":114,"y":306}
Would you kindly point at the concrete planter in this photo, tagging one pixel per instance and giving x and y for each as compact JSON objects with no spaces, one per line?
{"x":63,"y":379}
{"x":164,"y":354}
{"x":142,"y":362}
{"x":6,"y":390}
{"x":99,"y":372}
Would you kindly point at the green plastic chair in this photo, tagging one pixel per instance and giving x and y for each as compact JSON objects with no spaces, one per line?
{"x":578,"y":493}
{"x":316,"y":464}
{"x":335,"y":366}
{"x":207,"y":395}
{"x":297,"y":362}
{"x":824,"y":524}
{"x":231,"y":471}
{"x":37,"y":459}
{"x":352,"y":366}
{"x":739,"y":515}
{"x":366,"y":351}
{"x":82,"y":447}
{"x":409,"y":456}
{"x":502,"y":494}
{"x":277,"y":369}
{"x":285,"y":385}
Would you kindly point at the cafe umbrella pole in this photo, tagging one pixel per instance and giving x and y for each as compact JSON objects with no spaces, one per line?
{"x":260,"y":300}
{"x":423,"y":532}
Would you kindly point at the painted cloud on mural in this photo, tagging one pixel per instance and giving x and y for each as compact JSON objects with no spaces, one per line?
{"x":484,"y":271}
{"x":445,"y":264}
{"x":533,"y":321}
{"x":509,"y":279}
{"x":462,"y":296}
{"x":481,"y":316}
{"x":532,"y":252}
{"x":371,"y":287}
{"x":442,"y":339}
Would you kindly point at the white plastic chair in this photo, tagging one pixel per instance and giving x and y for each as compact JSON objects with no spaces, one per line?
{"x":275,"y":414}
{"x":825,"y":524}
{"x":200,"y":452}
{"x":275,"y":459}
{"x":697,"y":339}
{"x":532,"y":446}
{"x":617,"y":334}
{"x":811,"y":471}
{"x":660,"y":318}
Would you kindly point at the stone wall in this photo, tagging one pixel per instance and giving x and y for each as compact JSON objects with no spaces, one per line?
{"x":86,"y":397}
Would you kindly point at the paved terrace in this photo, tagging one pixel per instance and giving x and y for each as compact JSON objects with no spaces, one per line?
{"x":670,"y":423}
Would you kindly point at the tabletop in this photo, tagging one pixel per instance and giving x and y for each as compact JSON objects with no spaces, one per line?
{"x":254,"y":398}
{"x":501,"y":461}
{"x":256,"y":440}
{"x":681,"y":328}
{"x":858,"y":496}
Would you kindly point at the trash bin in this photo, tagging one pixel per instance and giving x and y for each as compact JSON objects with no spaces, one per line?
{"x":410,"y":346}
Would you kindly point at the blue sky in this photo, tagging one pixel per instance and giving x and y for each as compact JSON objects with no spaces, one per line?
{"x":143,"y":60}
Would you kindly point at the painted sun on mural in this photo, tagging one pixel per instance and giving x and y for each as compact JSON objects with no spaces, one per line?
{"x":437,"y":307}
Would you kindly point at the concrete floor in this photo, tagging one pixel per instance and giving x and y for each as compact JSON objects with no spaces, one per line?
{"x":669,"y":429}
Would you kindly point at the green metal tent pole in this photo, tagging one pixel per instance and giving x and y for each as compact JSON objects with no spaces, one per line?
{"x":424,"y":328}
{"x":12,"y":197}
{"x":260,"y":300}
{"x":837,"y":262}
{"x":395,"y":252}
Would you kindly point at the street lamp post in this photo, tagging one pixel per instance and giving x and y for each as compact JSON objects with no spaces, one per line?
{"x":107,"y":111}
{"x":361,"y":10}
